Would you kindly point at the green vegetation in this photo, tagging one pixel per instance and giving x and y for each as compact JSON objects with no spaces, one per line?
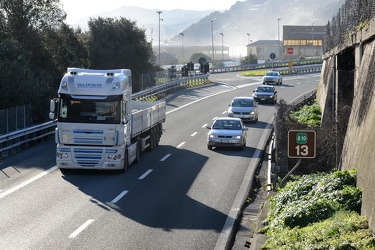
{"x":37,"y":46}
{"x":318,"y":211}
{"x":310,"y":115}
{"x":261,"y":72}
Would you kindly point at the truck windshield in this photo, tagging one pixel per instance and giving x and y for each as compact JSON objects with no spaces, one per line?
{"x":89,"y":111}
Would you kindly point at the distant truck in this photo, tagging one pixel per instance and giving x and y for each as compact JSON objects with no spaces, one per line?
{"x":98,"y":124}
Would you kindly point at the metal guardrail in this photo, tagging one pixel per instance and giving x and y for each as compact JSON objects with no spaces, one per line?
{"x":16,"y":141}
{"x":170,"y":87}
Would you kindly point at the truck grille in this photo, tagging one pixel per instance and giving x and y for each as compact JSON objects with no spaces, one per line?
{"x":87,"y":157}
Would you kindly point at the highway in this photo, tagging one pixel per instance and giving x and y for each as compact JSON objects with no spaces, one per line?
{"x":179,"y":196}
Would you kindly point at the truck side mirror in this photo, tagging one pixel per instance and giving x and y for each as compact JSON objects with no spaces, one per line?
{"x":128,"y":111}
{"x":52,"y":109}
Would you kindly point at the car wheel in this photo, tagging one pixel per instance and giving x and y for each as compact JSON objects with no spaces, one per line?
{"x":209,"y":147}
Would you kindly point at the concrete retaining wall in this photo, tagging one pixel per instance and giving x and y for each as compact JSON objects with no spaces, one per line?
{"x":356,"y":88}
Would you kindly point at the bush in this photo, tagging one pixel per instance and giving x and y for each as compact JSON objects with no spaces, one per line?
{"x":310,"y":115}
{"x":311,"y":199}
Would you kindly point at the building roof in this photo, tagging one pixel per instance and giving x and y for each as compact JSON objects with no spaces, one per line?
{"x":266,"y":43}
{"x":293,"y":32}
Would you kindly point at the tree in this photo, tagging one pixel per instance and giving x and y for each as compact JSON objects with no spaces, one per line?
{"x":119,"y":43}
{"x":195,"y":57}
{"x":34,"y":48}
{"x":250,"y":59}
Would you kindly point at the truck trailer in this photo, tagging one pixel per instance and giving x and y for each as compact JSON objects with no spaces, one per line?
{"x":99,"y":126}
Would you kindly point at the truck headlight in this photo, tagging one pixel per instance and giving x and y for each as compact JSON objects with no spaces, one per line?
{"x":62,"y":155}
{"x":114,"y":156}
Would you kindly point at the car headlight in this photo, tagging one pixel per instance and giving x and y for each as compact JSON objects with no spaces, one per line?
{"x":252,"y":112}
{"x":212,"y":136}
{"x":230,"y":112}
{"x":238,"y":137}
{"x":271,"y":96}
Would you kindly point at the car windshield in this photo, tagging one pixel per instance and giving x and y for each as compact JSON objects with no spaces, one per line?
{"x":264,"y":89}
{"x":227,"y":124}
{"x":271,"y":74}
{"x":242,"y":103}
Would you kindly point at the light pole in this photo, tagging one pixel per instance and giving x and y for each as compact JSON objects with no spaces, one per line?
{"x":278,"y":36}
{"x":222,"y":45}
{"x":159,"y":12}
{"x":248,"y":49}
{"x":212,"y":34}
{"x":182,"y":47}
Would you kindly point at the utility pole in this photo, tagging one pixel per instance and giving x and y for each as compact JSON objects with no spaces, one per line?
{"x":159,"y":12}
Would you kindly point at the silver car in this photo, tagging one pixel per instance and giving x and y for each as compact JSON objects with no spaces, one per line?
{"x":243,"y":107}
{"x":227,"y":132}
{"x":273,"y":77}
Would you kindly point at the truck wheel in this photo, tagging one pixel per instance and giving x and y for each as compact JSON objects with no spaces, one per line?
{"x":138,"y":153}
{"x":151,"y":140}
{"x":157,"y":135}
{"x":125,"y":166}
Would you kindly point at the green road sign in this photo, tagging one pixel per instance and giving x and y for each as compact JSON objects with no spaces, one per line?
{"x":301,"y":138}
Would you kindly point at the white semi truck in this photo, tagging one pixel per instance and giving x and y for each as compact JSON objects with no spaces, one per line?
{"x":99,"y":126}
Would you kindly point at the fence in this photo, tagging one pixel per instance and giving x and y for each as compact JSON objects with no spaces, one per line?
{"x":15,"y":118}
{"x":352,"y":15}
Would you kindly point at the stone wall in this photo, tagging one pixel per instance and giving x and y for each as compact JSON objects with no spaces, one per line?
{"x":358,"y":146}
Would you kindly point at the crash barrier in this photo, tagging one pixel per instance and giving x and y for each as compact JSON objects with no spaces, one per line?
{"x":170,"y":87}
{"x":18,"y":140}
{"x":300,"y":66}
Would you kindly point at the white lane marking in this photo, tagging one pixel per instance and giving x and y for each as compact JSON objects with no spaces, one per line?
{"x":204,"y":125}
{"x":241,"y":194}
{"x":145,"y":174}
{"x":193,"y":134}
{"x":181,"y":144}
{"x":2,"y":195}
{"x":224,"y":112}
{"x":188,"y":104}
{"x":214,"y":118}
{"x":80,"y":229}
{"x":165,"y":157}
{"x":123,"y":193}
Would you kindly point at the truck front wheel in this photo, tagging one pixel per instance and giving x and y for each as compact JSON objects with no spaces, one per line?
{"x":125,"y":165}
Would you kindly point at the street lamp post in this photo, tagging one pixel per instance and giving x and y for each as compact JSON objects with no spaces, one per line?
{"x":212,"y":35}
{"x":278,"y":36}
{"x":159,"y":12}
{"x":222,"y":45}
{"x":248,"y":49}
{"x":182,"y":47}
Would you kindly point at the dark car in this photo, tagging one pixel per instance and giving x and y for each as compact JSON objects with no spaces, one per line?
{"x":265,"y":93}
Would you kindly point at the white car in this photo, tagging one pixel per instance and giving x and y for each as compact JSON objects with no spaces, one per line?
{"x":273,"y":77}
{"x":227,"y":132}
{"x":243,"y":107}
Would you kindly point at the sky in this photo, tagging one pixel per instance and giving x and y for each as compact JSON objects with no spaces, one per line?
{"x":77,"y":9}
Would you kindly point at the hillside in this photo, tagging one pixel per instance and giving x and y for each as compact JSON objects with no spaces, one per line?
{"x":257,"y":17}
